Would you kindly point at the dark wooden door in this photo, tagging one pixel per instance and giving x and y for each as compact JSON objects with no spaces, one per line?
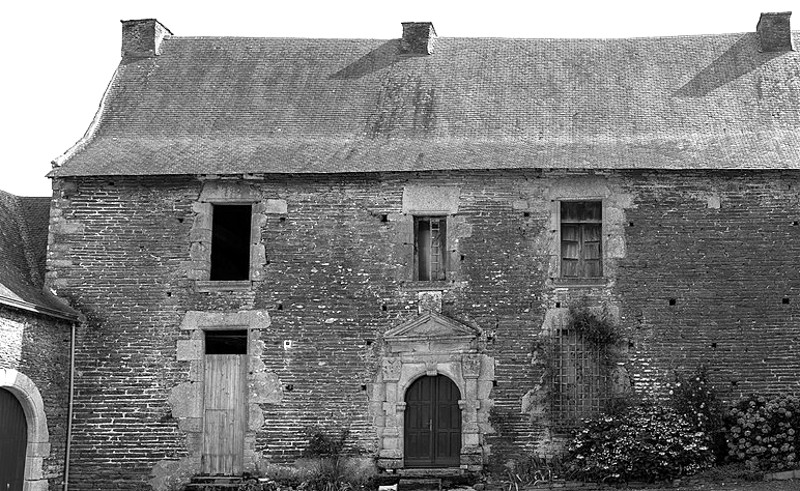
{"x":224,"y":415}
{"x":432,"y":423}
{"x":13,"y":442}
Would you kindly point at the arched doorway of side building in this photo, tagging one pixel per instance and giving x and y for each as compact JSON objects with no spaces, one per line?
{"x":432,"y":423}
{"x":23,"y":432}
{"x":13,"y":442}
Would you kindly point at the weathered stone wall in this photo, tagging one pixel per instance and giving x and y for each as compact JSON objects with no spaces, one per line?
{"x":337,"y":274}
{"x":37,"y":347}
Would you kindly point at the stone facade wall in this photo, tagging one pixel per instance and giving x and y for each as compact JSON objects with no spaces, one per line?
{"x":721,"y":284}
{"x":338,"y":274}
{"x":37,"y":347}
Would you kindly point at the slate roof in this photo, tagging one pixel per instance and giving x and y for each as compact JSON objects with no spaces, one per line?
{"x":23,"y":251}
{"x":221,"y":105}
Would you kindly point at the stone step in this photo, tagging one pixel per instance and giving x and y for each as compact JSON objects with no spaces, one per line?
{"x":212,"y":479}
{"x":214,"y":483}
{"x":210,"y":487}
{"x":434,"y":472}
{"x":420,"y":484}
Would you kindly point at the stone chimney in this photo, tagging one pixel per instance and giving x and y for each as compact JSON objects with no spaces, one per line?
{"x":418,"y":38}
{"x":142,"y":38}
{"x":774,"y":32}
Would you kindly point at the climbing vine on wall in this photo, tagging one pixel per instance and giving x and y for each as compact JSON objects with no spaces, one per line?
{"x":576,"y":359}
{"x":595,"y":326}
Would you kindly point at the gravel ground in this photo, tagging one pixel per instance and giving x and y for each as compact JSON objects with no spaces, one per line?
{"x":791,"y":485}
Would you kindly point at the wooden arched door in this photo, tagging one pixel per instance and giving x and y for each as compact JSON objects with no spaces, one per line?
{"x":432,"y":423}
{"x":13,"y":442}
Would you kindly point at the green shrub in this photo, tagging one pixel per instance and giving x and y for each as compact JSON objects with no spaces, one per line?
{"x":322,"y":444}
{"x":249,"y":483}
{"x":281,"y":476}
{"x":324,"y":467}
{"x":649,"y":442}
{"x":359,"y":472}
{"x":528,"y":470}
{"x":763,"y":433}
{"x":693,"y":395}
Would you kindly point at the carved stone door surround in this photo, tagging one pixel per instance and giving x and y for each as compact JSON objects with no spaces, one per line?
{"x":428,"y":345}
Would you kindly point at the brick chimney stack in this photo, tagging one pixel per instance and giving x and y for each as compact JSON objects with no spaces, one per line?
{"x":142,"y":38}
{"x":774,"y":32}
{"x":418,"y":38}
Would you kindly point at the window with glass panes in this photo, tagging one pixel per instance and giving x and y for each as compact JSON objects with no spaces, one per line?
{"x":581,"y":239}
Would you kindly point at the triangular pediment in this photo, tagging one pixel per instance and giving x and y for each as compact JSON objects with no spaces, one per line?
{"x":432,"y":325}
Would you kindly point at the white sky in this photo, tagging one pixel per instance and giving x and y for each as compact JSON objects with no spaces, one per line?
{"x":60,"y":55}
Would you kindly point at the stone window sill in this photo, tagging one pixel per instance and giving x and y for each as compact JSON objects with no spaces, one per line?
{"x":580,"y":282}
{"x":224,"y":286}
{"x":421,"y":286}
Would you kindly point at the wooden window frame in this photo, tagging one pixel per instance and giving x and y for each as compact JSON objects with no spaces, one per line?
{"x":582,"y":224}
{"x":433,"y":273}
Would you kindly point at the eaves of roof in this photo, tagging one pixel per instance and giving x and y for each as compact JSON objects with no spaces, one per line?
{"x":23,"y":244}
{"x":64,"y":313}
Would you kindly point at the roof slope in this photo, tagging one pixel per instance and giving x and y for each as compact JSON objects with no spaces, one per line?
{"x":23,"y":251}
{"x":272,"y":105}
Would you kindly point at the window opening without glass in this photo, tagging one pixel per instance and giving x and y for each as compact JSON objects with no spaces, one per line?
{"x":232,"y":342}
{"x":230,"y":242}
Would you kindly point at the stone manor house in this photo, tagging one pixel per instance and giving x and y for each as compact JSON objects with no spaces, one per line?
{"x":261,"y":235}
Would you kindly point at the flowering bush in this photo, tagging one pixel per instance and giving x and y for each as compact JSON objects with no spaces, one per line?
{"x":763,"y":433}
{"x":694,"y":396}
{"x":648,"y":442}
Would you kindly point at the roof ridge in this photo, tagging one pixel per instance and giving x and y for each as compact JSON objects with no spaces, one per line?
{"x":601,"y":38}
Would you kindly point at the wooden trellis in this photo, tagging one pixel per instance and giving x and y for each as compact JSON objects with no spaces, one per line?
{"x":579,"y":381}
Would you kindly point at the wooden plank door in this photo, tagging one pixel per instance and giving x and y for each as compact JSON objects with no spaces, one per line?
{"x":419,"y":423}
{"x":224,"y":414}
{"x":447,"y":424}
{"x":13,"y":442}
{"x":432,"y":431}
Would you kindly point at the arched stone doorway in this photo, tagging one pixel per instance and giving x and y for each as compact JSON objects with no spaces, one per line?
{"x":13,"y":442}
{"x":432,"y":423}
{"x":433,"y":345}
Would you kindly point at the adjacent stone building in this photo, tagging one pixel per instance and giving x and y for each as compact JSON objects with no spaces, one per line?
{"x":267,"y":235}
{"x":35,"y":331}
